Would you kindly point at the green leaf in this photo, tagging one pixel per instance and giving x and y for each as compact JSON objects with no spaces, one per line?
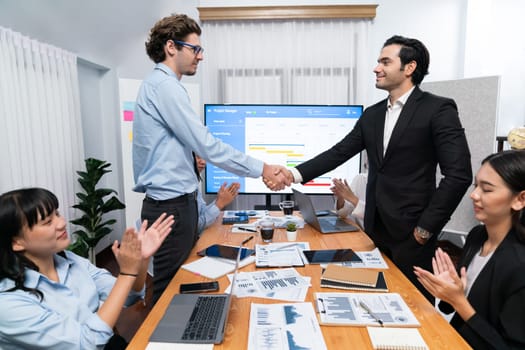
{"x":81,"y":235}
{"x":93,"y":205}
{"x":103,"y":192}
{"x":80,"y":248}
{"x":112,"y":204}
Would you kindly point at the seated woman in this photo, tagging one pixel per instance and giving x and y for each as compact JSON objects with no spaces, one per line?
{"x":350,"y":199}
{"x":51,"y":298}
{"x":208,"y":213}
{"x":487,"y":291}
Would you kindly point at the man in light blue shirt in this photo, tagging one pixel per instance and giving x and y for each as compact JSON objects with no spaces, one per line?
{"x":166,"y":130}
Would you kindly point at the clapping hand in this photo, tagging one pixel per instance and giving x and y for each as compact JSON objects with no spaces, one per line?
{"x":444,"y":283}
{"x":342,"y":190}
{"x":128,"y":253}
{"x":152,"y":238}
{"x":227,"y":194}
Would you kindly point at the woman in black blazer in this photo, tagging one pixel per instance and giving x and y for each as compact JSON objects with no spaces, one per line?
{"x":487,"y":290}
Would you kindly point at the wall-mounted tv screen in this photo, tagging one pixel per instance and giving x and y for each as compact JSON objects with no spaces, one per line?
{"x":280,"y":134}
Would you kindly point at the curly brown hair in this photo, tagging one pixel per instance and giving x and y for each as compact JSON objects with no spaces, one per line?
{"x":174,"y":27}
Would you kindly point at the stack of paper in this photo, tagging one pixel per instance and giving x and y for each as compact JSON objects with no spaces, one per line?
{"x":342,"y":277}
{"x":284,"y":326}
{"x":283,"y":284}
{"x":370,"y":259}
{"x":214,"y":268}
{"x":280,"y":254}
{"x":364,"y":309}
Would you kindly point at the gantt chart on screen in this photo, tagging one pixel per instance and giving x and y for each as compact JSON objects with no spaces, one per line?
{"x":281,"y":134}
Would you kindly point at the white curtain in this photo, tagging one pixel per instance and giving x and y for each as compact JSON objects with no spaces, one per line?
{"x":41,"y":134}
{"x":285,"y":62}
{"x":289,"y":62}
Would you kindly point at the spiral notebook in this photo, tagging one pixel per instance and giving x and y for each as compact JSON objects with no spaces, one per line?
{"x":342,"y":277}
{"x":379,"y":287}
{"x":396,"y":338}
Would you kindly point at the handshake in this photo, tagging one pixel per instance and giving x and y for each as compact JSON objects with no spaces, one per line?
{"x":276,"y":177}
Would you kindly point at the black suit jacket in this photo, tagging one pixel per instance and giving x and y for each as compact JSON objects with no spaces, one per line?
{"x":497,"y":295}
{"x":402,"y":183}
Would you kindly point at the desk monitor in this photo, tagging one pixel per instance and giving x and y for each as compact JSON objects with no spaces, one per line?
{"x":281,"y":134}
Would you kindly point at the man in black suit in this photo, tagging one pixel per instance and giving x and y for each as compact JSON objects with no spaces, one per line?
{"x":405,"y":136}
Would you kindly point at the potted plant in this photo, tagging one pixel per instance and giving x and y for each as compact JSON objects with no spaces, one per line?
{"x":291,"y":226}
{"x":291,"y":231}
{"x":93,"y":202}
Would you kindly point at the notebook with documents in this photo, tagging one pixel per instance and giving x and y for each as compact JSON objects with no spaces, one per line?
{"x":363,"y":277}
{"x":396,"y":338}
{"x":351,"y":284}
{"x":324,"y":224}
{"x":196,"y":318}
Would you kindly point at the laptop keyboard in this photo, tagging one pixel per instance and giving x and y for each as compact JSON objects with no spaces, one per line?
{"x":204,"y":321}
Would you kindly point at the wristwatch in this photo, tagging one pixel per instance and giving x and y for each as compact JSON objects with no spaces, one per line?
{"x":422,"y":233}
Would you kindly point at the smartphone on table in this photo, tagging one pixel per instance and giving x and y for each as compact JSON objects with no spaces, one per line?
{"x":199,"y":287}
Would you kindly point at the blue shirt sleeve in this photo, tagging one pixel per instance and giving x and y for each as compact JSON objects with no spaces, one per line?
{"x":207,"y":213}
{"x":175,"y":107}
{"x":66,"y":318}
{"x":166,"y":130}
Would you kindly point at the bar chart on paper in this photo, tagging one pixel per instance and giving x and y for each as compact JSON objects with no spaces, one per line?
{"x":284,"y":326}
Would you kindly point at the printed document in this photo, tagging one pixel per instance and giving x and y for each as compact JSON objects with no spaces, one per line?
{"x":214,"y":268}
{"x":283,"y":284}
{"x":364,"y":309}
{"x":280,"y":254}
{"x":369,"y":259}
{"x":284,"y":327}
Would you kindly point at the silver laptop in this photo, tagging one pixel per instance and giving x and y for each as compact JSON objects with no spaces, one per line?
{"x":186,"y":320}
{"x":324,"y":224}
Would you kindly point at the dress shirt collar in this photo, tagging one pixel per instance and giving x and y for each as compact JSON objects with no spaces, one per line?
{"x":166,"y":69}
{"x":62,"y":265}
{"x":402,"y":100}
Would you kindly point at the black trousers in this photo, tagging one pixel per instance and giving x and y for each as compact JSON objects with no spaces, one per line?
{"x":405,"y":253}
{"x":177,"y":246}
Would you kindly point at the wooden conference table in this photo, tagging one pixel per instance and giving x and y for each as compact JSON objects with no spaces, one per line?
{"x":436,"y":331}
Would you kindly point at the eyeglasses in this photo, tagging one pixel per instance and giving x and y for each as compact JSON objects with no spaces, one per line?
{"x":196,"y":49}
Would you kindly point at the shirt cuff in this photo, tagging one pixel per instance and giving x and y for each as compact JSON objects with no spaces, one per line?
{"x":97,"y":329}
{"x":345,"y":210}
{"x":213,"y":211}
{"x":297,"y":177}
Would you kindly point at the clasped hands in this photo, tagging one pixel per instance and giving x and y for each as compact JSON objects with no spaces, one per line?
{"x":276,"y":177}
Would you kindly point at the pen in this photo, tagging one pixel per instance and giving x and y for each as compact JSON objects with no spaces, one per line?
{"x":286,"y":246}
{"x":323,"y":310}
{"x":246,"y":229}
{"x":367,"y":309}
{"x":246,"y":240}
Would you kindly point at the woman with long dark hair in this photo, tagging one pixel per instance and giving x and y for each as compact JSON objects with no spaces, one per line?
{"x":487,"y":290}
{"x":50,"y":298}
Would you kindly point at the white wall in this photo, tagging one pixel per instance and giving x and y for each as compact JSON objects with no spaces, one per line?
{"x":466,"y":38}
{"x":495,"y":46}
